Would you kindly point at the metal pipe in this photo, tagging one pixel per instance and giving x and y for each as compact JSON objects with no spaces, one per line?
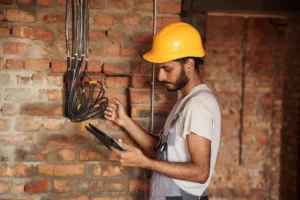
{"x":153,"y":69}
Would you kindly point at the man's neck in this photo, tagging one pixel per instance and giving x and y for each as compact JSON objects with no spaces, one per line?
{"x":190,"y":85}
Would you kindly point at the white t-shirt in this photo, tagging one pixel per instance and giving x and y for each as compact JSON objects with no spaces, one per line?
{"x":200,"y":115}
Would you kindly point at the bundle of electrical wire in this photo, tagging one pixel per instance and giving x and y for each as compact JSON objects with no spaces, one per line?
{"x":85,"y":97}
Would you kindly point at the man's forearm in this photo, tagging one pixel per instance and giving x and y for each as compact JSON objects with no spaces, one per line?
{"x":146,"y":140}
{"x":183,"y":171}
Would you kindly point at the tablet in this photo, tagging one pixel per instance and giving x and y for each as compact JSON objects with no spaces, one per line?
{"x":104,"y":138}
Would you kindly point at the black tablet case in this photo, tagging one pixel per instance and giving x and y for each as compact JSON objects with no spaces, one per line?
{"x":104,"y":138}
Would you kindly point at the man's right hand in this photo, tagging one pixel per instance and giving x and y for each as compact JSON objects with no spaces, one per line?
{"x":116,"y":113}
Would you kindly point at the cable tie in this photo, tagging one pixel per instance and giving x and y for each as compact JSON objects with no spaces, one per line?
{"x":93,"y":82}
{"x":78,"y":106}
{"x":97,"y":105}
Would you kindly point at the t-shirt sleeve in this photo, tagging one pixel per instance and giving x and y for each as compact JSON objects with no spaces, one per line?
{"x":198,"y":118}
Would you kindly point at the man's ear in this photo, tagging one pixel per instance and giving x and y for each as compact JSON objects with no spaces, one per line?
{"x":190,"y":64}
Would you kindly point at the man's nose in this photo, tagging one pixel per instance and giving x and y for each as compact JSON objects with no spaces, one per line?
{"x":161,"y":75}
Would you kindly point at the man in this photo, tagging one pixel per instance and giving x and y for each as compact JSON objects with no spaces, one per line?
{"x":187,"y":149}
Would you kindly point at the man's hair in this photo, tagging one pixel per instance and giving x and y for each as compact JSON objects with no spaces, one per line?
{"x":197,"y":61}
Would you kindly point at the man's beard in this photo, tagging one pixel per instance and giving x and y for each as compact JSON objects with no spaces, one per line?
{"x":181,"y":81}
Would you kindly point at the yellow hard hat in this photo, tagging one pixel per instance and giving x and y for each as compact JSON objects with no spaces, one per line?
{"x":176,"y":40}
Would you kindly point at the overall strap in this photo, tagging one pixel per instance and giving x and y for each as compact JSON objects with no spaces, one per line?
{"x":164,"y":136}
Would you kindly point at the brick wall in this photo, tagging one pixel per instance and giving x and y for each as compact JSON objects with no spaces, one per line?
{"x":250,"y":65}
{"x":290,"y":141}
{"x":42,"y":154}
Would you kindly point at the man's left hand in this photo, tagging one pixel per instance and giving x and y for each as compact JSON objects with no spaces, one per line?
{"x":132,"y":157}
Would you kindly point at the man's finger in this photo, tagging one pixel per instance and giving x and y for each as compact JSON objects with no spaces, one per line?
{"x":109,"y":117}
{"x":116,"y":151}
{"x":117,"y":101}
{"x":111,"y":105}
{"x":110,"y":109}
{"x":109,"y":113}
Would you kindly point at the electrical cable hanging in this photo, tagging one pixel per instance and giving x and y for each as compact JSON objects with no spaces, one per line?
{"x":85,"y":97}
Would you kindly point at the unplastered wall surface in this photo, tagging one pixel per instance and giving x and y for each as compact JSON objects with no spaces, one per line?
{"x":245,"y":67}
{"x":43,"y":155}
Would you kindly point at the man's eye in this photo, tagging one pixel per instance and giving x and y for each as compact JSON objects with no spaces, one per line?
{"x":167,"y":70}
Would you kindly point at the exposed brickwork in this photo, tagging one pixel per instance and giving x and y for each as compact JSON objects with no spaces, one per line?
{"x":44,"y":155}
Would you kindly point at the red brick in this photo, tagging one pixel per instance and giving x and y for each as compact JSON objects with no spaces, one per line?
{"x":145,"y":6}
{"x":119,"y":95}
{"x":113,"y":50}
{"x":17,"y":15}
{"x":116,"y":36}
{"x":53,"y":124}
{"x":1,"y":64}
{"x":24,"y":1}
{"x":4,"y":32}
{"x":114,"y":186}
{"x":49,"y":18}
{"x":111,"y":198}
{"x":97,"y":4}
{"x":54,"y":95}
{"x":38,"y":78}
{"x":3,"y":187}
{"x":20,"y":139}
{"x":4,"y":124}
{"x":66,"y":154}
{"x":41,"y":109}
{"x":116,"y":68}
{"x":119,"y":4}
{"x":61,"y":186}
{"x":17,"y":188}
{"x":55,"y":80}
{"x":132,"y":19}
{"x":96,"y":35}
{"x":94,"y":66}
{"x":170,"y":7}
{"x":88,"y":154}
{"x":7,"y":1}
{"x":2,"y":170}
{"x":142,"y":38}
{"x":59,"y":65}
{"x":18,"y":170}
{"x":61,"y":170}
{"x":140,"y":97}
{"x":104,"y":20}
{"x":61,"y":140}
{"x":8,"y":109}
{"x":138,"y":185}
{"x":16,"y":48}
{"x":61,"y":2}
{"x":43,"y":2}
{"x":27,"y":124}
{"x":142,"y":67}
{"x":23,"y":80}
{"x":144,"y":111}
{"x":111,"y":170}
{"x":32,"y":33}
{"x":14,"y":64}
{"x":37,"y":187}
{"x":129,"y":51}
{"x":76,"y":198}
{"x":36,"y":65}
{"x":163,"y":21}
{"x":117,"y":82}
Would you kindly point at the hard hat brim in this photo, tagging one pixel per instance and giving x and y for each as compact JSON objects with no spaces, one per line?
{"x":155,"y":58}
